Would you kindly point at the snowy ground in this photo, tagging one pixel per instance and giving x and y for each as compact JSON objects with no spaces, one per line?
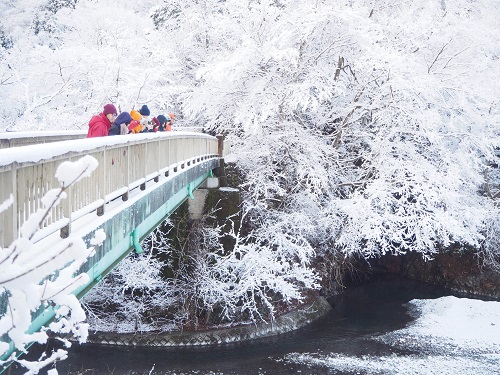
{"x":450,"y":336}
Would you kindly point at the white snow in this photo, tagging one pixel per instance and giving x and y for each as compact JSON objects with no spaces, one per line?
{"x":228,"y":189}
{"x":451,"y":336}
{"x":466,"y":324}
{"x":40,"y":133}
{"x":423,"y":75}
{"x":71,"y":172}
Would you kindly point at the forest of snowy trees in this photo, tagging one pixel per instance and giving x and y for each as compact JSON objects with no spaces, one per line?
{"x":359,"y":127}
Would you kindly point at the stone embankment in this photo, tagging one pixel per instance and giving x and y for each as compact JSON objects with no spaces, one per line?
{"x":282,"y":324}
{"x":460,"y":272}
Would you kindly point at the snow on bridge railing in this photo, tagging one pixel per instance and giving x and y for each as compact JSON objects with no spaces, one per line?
{"x":16,"y":139}
{"x":125,"y":162}
{"x":23,"y":138}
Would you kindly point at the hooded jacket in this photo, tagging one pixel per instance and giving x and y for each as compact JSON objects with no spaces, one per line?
{"x":119,"y":127}
{"x":99,"y":126}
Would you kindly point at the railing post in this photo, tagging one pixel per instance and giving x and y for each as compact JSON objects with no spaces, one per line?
{"x":102,"y":183}
{"x":220,"y":145}
{"x":145,"y":166}
{"x":8,"y":186}
{"x":167,"y":172}
{"x":15,"y":207}
{"x":127,"y":172}
{"x":182,"y":148}
{"x":158,"y":166}
{"x":146,"y":160}
{"x":67,"y":207}
{"x":219,"y":171}
{"x":176,"y":153}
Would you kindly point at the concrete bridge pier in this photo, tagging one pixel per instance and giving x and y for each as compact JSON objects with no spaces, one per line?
{"x":215,"y":193}
{"x":197,"y":205}
{"x":224,"y":200}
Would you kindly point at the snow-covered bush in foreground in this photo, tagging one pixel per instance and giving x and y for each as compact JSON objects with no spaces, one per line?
{"x":32,"y":279}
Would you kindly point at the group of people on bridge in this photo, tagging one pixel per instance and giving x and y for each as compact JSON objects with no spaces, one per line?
{"x":108,"y":122}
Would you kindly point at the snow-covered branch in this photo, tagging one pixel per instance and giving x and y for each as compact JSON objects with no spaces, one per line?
{"x":33,"y":278}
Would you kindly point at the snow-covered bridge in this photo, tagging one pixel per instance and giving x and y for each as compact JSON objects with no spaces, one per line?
{"x":140,"y":180}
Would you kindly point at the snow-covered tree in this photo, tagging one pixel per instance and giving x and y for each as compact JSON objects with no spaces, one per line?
{"x":80,"y":57}
{"x":203,"y":284}
{"x":135,"y":297}
{"x":361,"y":128}
{"x":383,"y":120}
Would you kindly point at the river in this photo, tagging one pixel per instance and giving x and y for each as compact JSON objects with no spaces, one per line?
{"x":361,"y":313}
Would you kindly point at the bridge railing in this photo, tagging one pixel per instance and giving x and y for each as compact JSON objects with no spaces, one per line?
{"x":125,"y":163}
{"x":17,"y":139}
{"x":26,"y":138}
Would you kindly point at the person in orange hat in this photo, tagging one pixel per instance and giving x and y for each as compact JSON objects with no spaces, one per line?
{"x":168,"y":127}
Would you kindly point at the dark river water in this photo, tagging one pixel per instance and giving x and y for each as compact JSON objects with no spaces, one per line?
{"x":374,"y":308}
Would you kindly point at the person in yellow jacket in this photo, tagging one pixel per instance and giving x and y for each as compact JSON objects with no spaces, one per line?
{"x":135,"y":125}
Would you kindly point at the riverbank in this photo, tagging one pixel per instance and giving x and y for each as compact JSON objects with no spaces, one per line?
{"x":285,"y":323}
{"x":460,"y":272}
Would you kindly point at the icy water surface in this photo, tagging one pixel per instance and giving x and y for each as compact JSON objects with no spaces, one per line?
{"x":343,"y":342}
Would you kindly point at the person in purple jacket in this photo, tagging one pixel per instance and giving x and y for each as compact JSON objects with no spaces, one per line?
{"x":120,"y":126}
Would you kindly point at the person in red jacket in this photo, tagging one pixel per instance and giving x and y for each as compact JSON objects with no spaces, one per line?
{"x":99,"y":125}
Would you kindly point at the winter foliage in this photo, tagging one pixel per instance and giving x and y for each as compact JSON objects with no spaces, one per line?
{"x":135,"y":297}
{"x":361,"y":127}
{"x":198,"y":284}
